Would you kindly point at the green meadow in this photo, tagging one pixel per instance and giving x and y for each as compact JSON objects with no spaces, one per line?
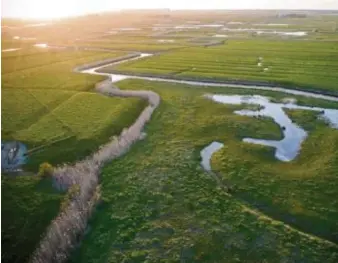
{"x":55,"y":113}
{"x":48,"y":107}
{"x":307,"y":65}
{"x":159,"y":205}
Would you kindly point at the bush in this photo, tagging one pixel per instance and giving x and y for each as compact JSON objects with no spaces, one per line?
{"x":45,"y":170}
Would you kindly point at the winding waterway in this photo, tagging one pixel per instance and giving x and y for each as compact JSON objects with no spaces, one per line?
{"x":288,"y":148}
{"x":118,"y":77}
{"x":62,"y":235}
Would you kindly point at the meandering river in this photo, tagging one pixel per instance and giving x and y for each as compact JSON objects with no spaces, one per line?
{"x":118,"y":77}
{"x":287,"y":149}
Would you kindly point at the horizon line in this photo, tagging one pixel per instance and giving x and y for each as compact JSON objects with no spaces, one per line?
{"x":163,"y":9}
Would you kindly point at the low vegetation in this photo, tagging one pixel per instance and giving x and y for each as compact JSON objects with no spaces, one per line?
{"x":45,"y":170}
{"x":309,"y":65}
{"x":296,"y":193}
{"x":132,"y":46}
{"x":158,"y":203}
{"x":39,"y":70}
{"x":73,"y":130}
{"x":45,"y":107}
{"x":28,"y":206}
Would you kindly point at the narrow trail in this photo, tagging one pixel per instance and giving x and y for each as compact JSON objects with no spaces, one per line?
{"x":68,"y":228}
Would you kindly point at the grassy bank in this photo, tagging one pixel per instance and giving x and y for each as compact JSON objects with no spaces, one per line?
{"x":160,"y":206}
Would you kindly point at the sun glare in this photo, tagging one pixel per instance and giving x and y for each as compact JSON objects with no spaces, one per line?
{"x":41,"y":9}
{"x":45,"y":9}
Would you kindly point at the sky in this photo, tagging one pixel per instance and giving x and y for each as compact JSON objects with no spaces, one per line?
{"x":63,"y":8}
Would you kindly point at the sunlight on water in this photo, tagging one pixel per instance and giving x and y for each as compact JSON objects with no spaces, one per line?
{"x":288,"y":148}
{"x":41,"y":45}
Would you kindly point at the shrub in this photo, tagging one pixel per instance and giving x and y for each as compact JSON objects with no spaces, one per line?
{"x":45,"y":170}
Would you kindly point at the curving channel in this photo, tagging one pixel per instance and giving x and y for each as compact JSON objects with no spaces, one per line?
{"x":92,"y":69}
{"x":287,"y":149}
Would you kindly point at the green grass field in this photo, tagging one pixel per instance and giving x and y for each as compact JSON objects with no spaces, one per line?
{"x":45,"y":107}
{"x":160,"y":206}
{"x":42,"y":103}
{"x":28,"y":206}
{"x":51,"y":70}
{"x":132,"y":45}
{"x":80,"y":123}
{"x":309,"y":65}
{"x":297,"y":192}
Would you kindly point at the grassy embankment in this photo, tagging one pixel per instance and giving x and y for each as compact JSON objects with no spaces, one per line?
{"x":43,"y":101}
{"x":308,"y":65}
{"x":159,"y":205}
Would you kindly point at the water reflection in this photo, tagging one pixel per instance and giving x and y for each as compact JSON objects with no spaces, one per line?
{"x":10,"y":49}
{"x":95,"y":71}
{"x":207,"y":152}
{"x":41,"y":45}
{"x":288,"y":148}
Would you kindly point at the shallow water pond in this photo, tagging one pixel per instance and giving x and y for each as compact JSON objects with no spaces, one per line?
{"x":207,"y":152}
{"x":288,"y":148}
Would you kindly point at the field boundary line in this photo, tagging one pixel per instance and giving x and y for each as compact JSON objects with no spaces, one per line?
{"x":181,"y":71}
{"x":55,"y":141}
{"x":43,"y":65}
{"x":256,"y":212}
{"x":65,"y":126}
{"x":42,"y":88}
{"x":91,"y":48}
